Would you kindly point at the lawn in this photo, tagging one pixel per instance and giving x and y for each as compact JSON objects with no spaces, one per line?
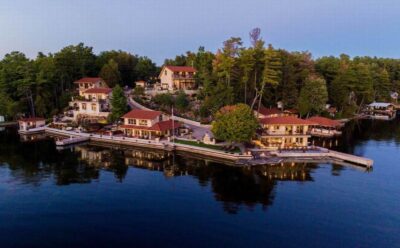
{"x":200,"y":144}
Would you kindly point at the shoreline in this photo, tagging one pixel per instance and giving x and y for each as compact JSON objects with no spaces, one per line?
{"x":238,"y":159}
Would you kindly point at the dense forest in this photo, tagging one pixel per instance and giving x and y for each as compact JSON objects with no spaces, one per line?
{"x":256,"y":75}
{"x":43,"y":86}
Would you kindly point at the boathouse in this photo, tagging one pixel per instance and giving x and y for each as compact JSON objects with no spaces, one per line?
{"x":325,"y":127}
{"x":284,"y":132}
{"x":27,"y":124}
{"x":380,"y":110}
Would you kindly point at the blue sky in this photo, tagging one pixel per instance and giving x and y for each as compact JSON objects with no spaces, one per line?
{"x":162,"y":29}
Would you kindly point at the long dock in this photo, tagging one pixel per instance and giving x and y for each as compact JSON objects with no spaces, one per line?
{"x":321,"y":153}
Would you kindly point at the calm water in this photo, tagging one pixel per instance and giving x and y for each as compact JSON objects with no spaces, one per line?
{"x":98,"y":197}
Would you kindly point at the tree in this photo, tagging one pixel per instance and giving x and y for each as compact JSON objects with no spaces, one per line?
{"x":145,"y":69}
{"x":181,"y":101}
{"x":235,"y":123}
{"x":138,"y":91}
{"x":165,"y":100}
{"x":313,"y":96}
{"x":119,"y":104}
{"x":110,"y":73}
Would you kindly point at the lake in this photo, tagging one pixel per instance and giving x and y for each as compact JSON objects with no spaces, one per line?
{"x":96,"y":196}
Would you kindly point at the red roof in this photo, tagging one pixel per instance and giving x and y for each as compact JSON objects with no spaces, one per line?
{"x":326,"y":122}
{"x":285,"y":120}
{"x":181,"y":68}
{"x":142,"y":114}
{"x":270,"y":111}
{"x":98,"y":91}
{"x":30,"y":119}
{"x":88,"y":80}
{"x":159,"y":126}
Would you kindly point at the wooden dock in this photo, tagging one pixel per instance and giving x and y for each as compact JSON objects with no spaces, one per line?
{"x":323,"y":153}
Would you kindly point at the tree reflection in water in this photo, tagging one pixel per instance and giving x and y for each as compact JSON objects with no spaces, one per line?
{"x":39,"y":161}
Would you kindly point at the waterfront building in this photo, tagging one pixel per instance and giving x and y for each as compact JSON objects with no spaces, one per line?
{"x":380,"y":110}
{"x":88,"y":83}
{"x":284,"y":132}
{"x":31,"y":125}
{"x":325,"y":127}
{"x":148,"y":124}
{"x":93,"y":103}
{"x":177,"y":78}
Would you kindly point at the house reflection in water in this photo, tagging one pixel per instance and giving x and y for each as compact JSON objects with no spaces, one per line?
{"x":235,"y":187}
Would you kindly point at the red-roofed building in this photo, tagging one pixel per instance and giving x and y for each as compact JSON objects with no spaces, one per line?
{"x":89,"y":82}
{"x":325,"y":127}
{"x":147,"y":124}
{"x":92,"y":103}
{"x":284,"y":132}
{"x":269,"y":112}
{"x":31,"y":124}
{"x":177,"y":77}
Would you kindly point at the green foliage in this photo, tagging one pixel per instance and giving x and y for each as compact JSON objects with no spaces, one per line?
{"x":119,"y":104}
{"x":165,"y":100}
{"x":110,"y":73}
{"x":138,"y":91}
{"x":313,"y":96}
{"x":181,"y":101}
{"x":235,"y":123}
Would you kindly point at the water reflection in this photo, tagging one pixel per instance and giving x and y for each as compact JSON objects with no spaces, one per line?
{"x":35,"y":162}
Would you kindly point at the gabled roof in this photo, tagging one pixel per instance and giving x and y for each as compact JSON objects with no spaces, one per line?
{"x":285,"y":120}
{"x":269,"y":111}
{"x":98,"y":91}
{"x":142,"y":114}
{"x":181,"y":68}
{"x":325,"y":122}
{"x":88,"y":80}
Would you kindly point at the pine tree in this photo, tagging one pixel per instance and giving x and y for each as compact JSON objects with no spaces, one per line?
{"x":119,"y":104}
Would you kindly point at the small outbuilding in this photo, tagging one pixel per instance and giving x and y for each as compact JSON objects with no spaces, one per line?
{"x":325,"y":127}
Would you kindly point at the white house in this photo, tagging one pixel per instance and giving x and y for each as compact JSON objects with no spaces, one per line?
{"x":177,"y":77}
{"x":93,"y":103}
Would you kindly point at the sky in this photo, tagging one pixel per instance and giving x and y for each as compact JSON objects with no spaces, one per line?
{"x":162,"y":29}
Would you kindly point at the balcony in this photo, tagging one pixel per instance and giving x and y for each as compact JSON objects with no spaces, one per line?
{"x":281,"y":133}
{"x":183,"y":77}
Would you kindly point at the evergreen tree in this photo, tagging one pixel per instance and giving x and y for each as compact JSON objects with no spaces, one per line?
{"x":119,"y":105}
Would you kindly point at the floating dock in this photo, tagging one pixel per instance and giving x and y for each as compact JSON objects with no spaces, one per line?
{"x":71,"y":140}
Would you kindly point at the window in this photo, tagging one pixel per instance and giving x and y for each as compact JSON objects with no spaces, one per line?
{"x":165,"y":72}
{"x":84,"y":106}
{"x":143,"y":122}
{"x":132,"y":121}
{"x":94,"y":107}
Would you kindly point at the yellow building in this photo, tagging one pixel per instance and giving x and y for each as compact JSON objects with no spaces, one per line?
{"x":284,"y":132}
{"x":88,"y":83}
{"x":147,"y":124}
